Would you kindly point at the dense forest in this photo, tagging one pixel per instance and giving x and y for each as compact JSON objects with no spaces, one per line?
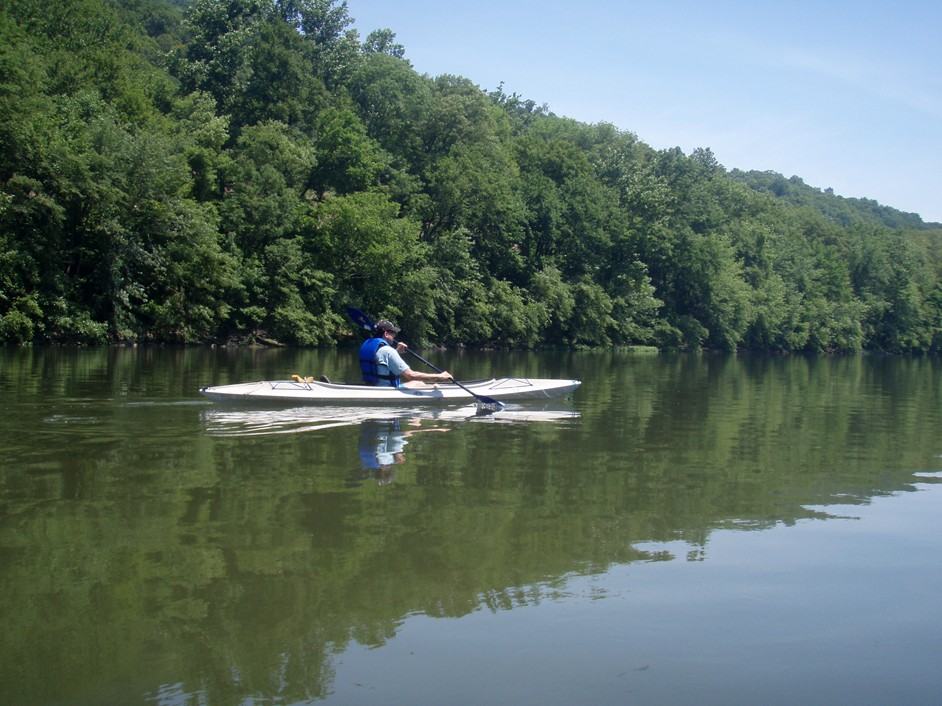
{"x":243,"y":170}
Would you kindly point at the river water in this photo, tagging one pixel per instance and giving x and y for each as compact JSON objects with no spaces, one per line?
{"x":709,"y":529}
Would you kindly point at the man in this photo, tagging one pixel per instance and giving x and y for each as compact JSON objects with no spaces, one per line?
{"x":382,"y":364}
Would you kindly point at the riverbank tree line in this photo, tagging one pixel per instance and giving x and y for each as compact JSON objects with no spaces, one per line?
{"x":244,"y":170}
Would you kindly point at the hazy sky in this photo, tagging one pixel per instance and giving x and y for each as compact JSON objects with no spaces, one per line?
{"x":846,"y":95}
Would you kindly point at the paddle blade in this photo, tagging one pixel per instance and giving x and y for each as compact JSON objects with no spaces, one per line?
{"x":482,"y":410}
{"x":361,"y":319}
{"x":487,"y":405}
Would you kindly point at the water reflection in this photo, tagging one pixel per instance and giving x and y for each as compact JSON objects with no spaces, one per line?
{"x":155,"y":549}
{"x":384,"y":432}
{"x":382,"y":446}
{"x":224,"y":420}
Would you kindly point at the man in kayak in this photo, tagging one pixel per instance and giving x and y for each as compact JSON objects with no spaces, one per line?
{"x":381,"y":361}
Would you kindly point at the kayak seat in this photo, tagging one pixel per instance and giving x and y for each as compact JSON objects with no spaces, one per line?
{"x":324,"y":378}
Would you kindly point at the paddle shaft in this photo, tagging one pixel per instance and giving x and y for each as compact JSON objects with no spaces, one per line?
{"x":431,"y":365}
{"x":482,"y":398}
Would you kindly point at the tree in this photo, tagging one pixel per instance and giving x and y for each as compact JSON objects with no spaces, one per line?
{"x":277,"y":83}
{"x":382,"y":41}
{"x":370,"y":251}
{"x":391,"y":100}
{"x":215,"y":59}
{"x":347,"y":159}
{"x":332,"y":49}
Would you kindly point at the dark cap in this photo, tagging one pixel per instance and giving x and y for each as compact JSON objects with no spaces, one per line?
{"x":384,"y":325}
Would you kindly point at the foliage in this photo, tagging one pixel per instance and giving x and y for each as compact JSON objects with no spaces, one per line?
{"x":246,"y":169}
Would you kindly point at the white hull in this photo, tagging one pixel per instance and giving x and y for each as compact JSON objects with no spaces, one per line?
{"x":320,"y":393}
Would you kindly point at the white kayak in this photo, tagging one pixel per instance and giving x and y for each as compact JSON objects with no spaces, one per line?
{"x":297,"y":392}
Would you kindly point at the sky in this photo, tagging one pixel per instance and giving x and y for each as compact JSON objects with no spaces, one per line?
{"x":846,"y":95}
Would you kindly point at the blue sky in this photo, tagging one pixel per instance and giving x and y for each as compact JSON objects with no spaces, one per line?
{"x":846,"y":95}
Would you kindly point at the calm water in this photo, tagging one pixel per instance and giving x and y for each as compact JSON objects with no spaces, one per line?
{"x":686,"y":529}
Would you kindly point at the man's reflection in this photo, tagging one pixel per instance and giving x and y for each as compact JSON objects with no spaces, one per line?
{"x":382,"y":447}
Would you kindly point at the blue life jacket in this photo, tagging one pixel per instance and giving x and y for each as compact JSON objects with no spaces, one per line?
{"x":368,"y":366}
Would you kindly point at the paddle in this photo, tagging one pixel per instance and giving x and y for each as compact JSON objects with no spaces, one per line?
{"x":365,"y":322}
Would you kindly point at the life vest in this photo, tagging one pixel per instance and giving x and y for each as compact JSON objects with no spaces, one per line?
{"x":368,"y":366}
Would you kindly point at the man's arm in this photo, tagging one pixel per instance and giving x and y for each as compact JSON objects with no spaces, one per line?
{"x":410,"y":375}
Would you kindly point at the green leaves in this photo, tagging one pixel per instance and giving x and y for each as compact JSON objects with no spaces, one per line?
{"x":347,"y":160}
{"x":368,"y":248}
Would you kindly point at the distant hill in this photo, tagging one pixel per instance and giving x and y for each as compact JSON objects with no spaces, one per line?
{"x":840,"y":209}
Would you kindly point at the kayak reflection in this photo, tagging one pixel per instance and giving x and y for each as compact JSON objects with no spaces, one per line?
{"x":382,"y":446}
{"x":233,"y":421}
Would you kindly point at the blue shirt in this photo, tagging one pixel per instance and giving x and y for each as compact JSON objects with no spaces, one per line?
{"x":389,"y":361}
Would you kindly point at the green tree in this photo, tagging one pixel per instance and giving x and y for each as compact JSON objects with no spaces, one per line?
{"x":276,"y":82}
{"x":370,"y":250}
{"x":391,"y":99}
{"x":382,"y":41}
{"x":263,"y":205}
{"x":347,"y":160}
{"x":332,"y":48}
{"x":216,"y":59}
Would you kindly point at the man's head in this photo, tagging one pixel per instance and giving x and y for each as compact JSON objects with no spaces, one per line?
{"x":384,"y":326}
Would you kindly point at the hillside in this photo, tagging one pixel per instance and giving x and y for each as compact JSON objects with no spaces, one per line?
{"x":838,"y":208}
{"x":243,"y":170}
